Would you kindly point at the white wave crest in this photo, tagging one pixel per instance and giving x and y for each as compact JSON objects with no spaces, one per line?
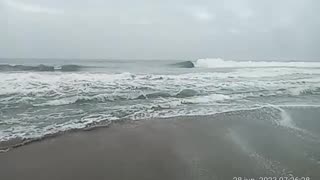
{"x":209,"y":98}
{"x":304,"y":90}
{"x":220,"y":63}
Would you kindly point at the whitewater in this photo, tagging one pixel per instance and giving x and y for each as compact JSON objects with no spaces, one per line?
{"x":44,"y":97}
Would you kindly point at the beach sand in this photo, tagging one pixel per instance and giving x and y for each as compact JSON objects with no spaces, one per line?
{"x":220,"y":146}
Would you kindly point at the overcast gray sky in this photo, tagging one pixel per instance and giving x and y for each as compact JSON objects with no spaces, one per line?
{"x":160,"y":29}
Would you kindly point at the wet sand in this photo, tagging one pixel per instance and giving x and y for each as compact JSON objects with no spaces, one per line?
{"x":202,"y":147}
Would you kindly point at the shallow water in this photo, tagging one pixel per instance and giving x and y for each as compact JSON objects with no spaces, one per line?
{"x":263,"y":142}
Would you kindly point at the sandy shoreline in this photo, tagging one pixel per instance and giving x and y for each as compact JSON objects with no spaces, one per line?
{"x":208,"y":147}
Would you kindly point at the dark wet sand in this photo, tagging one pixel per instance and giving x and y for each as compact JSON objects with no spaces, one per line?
{"x":208,"y":147}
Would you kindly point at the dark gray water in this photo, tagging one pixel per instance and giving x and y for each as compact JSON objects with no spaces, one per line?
{"x":40,"y":97}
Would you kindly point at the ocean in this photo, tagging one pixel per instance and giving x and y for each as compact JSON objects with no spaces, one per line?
{"x":43,"y":97}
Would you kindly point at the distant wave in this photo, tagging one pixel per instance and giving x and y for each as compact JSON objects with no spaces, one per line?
{"x":184,"y":64}
{"x":220,"y":63}
{"x":41,"y":67}
{"x":69,"y":67}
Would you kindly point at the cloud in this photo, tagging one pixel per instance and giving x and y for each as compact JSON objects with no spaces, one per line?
{"x":30,"y":8}
{"x":234,"y":31}
{"x":160,"y":29}
{"x":200,"y":13}
{"x":239,"y":8}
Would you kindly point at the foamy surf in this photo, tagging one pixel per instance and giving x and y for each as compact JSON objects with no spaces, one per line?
{"x":34,"y":104}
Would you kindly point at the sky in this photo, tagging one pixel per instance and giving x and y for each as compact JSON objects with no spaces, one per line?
{"x":161,"y":29}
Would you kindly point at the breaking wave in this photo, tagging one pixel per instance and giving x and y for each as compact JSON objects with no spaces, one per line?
{"x":185,"y":93}
{"x":41,"y":67}
{"x":304,"y":91}
{"x":185,"y":64}
{"x":220,"y":63}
